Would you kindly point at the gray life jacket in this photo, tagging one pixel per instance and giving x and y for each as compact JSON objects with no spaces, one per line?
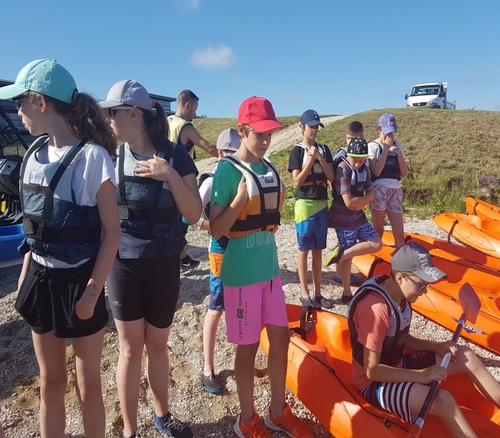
{"x":394,"y":342}
{"x":53,"y":223}
{"x":358,"y":177}
{"x":146,"y":206}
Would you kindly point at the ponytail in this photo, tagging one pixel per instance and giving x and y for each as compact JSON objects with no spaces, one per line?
{"x":157,"y":128}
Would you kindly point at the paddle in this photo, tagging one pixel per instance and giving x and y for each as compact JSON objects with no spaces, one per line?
{"x":470,"y":305}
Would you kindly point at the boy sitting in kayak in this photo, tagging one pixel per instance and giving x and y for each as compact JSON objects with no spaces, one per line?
{"x":379,"y":321}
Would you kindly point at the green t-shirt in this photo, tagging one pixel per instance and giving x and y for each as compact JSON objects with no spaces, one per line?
{"x":249,"y":259}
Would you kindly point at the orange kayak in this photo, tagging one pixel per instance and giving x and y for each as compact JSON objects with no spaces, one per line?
{"x":319,"y":373}
{"x":480,"y":234}
{"x":469,"y":257}
{"x":441,"y":300}
{"x":483,"y":209}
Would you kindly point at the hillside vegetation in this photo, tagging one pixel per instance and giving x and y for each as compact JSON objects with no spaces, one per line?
{"x":445,"y":151}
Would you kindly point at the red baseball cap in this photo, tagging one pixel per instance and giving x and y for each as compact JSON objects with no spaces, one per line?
{"x":259,"y":114}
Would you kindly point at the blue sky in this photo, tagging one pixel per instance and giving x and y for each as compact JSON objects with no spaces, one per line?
{"x":338,"y":57}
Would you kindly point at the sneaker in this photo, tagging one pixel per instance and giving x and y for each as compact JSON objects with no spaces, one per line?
{"x":250,"y":429}
{"x":211,"y":384}
{"x":346,"y":299}
{"x":289,"y":423}
{"x":334,"y":256}
{"x":307,"y":302}
{"x":354,"y":279}
{"x":188,"y":263}
{"x":170,"y":425}
{"x":323,"y":302}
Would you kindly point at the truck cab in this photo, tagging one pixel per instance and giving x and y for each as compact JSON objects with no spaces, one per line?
{"x":429,"y":95}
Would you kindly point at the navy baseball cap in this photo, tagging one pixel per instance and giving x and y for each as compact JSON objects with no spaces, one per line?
{"x":311,"y":118}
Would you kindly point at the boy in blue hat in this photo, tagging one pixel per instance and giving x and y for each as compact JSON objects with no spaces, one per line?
{"x":310,"y":164}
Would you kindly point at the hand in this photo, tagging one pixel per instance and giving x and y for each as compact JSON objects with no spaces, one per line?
{"x":388,"y":140}
{"x":155,"y":168}
{"x":435,"y":372}
{"x":313,"y":152}
{"x":242,"y":190}
{"x":84,"y":307}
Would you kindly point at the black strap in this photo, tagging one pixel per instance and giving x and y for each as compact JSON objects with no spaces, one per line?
{"x":254,"y":222}
{"x":306,"y":322}
{"x":453,"y":225}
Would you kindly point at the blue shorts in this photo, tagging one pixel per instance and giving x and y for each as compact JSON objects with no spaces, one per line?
{"x":311,"y":232}
{"x":395,"y":397}
{"x":350,"y":237}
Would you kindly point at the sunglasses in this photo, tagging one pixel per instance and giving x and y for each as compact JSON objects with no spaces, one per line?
{"x":110,"y":112}
{"x":420,"y":286}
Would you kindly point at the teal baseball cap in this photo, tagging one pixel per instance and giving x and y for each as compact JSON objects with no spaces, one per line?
{"x":43,"y":76}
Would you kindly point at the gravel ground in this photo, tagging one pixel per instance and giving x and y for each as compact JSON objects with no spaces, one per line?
{"x":208,"y":415}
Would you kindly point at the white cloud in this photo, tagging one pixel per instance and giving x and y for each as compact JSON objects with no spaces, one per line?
{"x":188,"y":4}
{"x":291,"y":97}
{"x":213,"y":58}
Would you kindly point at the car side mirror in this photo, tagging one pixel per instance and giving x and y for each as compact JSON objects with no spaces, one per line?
{"x":406,"y":96}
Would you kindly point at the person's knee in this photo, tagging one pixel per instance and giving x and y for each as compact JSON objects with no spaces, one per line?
{"x":444,"y":404}
{"x":53,"y":386}
{"x":132,"y":351}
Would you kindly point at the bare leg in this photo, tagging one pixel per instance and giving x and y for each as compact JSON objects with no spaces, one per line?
{"x":279,"y":338}
{"x":88,"y":353}
{"x":344,"y":269}
{"x":302,"y":271}
{"x":244,"y":365}
{"x":158,"y":367}
{"x":366,"y":247}
{"x":316,"y":270}
{"x":444,"y":407}
{"x":128,"y":373}
{"x":378,"y":220}
{"x":397,"y":225}
{"x":209,"y":336}
{"x":51,"y":356}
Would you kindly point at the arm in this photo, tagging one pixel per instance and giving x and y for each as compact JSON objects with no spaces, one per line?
{"x":184,"y":189}
{"x":189,"y":133}
{"x":222,"y":218}
{"x":24,"y":269}
{"x":111,"y":235}
{"x":385,"y":373}
{"x":357,"y":202}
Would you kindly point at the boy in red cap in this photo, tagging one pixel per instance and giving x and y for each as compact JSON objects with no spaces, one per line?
{"x":246,"y":201}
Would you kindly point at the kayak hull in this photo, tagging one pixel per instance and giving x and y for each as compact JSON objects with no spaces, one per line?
{"x":483,"y":209}
{"x":319,"y":373}
{"x":480,"y":234}
{"x":10,"y":237}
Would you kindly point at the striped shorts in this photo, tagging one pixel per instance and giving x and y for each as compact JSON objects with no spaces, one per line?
{"x":395,"y":397}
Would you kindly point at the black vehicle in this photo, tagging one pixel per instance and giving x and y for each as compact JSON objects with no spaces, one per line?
{"x":14,"y":141}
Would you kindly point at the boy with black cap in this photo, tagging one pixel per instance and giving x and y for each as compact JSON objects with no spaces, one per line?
{"x":310,"y":164}
{"x":379,"y":320}
{"x":352,"y":190}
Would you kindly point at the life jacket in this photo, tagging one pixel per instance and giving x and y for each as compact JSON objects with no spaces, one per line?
{"x":391,"y":167}
{"x":261,"y":211}
{"x":146,"y":206}
{"x":175,"y":125}
{"x":358,"y":177}
{"x":316,"y":175}
{"x":399,"y":327}
{"x":53,"y":223}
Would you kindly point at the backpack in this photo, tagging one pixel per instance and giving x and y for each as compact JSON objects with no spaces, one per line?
{"x":203,"y":177}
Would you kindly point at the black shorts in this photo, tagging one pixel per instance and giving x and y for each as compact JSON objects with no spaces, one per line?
{"x":47,"y":298}
{"x":145,"y":288}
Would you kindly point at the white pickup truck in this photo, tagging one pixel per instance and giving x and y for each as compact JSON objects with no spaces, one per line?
{"x":430,"y":95}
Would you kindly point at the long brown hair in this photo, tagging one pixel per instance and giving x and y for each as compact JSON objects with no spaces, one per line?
{"x":86,"y":120}
{"x":157,"y":127}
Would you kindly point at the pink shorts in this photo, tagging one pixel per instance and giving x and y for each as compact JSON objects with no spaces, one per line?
{"x":250,"y":308}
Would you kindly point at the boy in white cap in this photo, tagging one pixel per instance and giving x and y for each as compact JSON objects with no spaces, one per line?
{"x":310,"y":164}
{"x":397,"y":381}
{"x":227,"y":143}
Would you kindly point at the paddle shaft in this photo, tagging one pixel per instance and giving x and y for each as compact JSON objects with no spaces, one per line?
{"x":419,"y":422}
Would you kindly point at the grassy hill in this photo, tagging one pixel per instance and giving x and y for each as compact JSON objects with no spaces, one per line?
{"x":445,"y":151}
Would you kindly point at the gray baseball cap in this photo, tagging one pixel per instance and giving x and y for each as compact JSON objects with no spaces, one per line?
{"x":129,"y":92}
{"x":229,"y":140}
{"x":413,"y":257}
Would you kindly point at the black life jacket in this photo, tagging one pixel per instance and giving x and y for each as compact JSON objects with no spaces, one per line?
{"x":391,"y":167}
{"x":394,"y":342}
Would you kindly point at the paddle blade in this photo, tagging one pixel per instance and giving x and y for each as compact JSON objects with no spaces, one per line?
{"x":469,"y":301}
